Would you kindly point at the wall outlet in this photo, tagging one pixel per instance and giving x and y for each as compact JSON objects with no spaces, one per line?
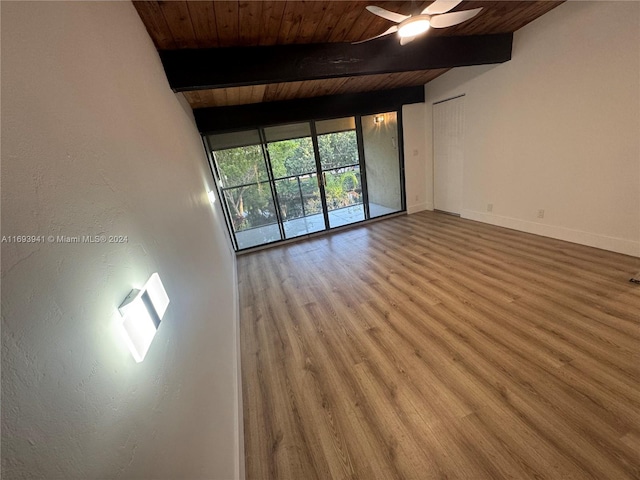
{"x":540,"y":213}
{"x":489,"y":207}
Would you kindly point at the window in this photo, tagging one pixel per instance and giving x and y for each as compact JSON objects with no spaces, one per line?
{"x":286,"y":181}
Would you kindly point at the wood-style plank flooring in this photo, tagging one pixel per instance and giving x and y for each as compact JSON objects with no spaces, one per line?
{"x":430,"y":347}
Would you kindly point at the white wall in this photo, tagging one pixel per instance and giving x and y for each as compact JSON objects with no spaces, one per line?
{"x":556,"y":128}
{"x":419,"y":192}
{"x":94,"y":142}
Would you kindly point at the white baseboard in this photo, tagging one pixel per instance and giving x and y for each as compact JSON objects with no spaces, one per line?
{"x":239,"y":413}
{"x":613,"y":244}
{"x":418,"y":208}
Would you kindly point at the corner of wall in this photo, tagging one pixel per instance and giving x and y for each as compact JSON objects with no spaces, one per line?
{"x":415,"y":158}
{"x":418,"y":208}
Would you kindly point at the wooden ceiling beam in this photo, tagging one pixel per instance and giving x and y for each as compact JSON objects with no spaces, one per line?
{"x":241,"y":117}
{"x":197,"y":69}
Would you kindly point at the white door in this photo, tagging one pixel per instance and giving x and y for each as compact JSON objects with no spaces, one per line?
{"x":448,"y":135}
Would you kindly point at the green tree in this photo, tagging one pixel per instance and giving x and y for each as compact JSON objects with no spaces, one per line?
{"x":341,"y":189}
{"x":245,"y":180}
{"x":338,"y":149}
{"x":292,"y":157}
{"x":244,"y":175}
{"x":289,"y":158}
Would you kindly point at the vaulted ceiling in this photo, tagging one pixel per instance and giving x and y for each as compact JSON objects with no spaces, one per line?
{"x":213,"y":26}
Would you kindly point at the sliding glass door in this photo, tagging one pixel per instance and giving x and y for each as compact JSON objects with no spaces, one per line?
{"x":287,"y":181}
{"x":246,"y":188}
{"x":340,"y":170}
{"x":293,"y":162}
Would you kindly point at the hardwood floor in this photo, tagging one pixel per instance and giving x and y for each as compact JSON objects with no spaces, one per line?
{"x":430,"y":347}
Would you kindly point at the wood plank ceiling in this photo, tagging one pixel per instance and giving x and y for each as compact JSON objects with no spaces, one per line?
{"x":217,"y":24}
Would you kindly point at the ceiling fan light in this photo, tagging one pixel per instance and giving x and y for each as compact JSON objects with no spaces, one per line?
{"x":413,"y":26}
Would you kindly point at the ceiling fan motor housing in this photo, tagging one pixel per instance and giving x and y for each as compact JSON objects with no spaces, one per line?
{"x":414,"y":26}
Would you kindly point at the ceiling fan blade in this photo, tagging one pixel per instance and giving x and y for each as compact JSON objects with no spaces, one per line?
{"x":441,"y":6}
{"x":381,"y":12}
{"x":453,"y":18}
{"x":386,"y":32}
{"x":405,"y":40}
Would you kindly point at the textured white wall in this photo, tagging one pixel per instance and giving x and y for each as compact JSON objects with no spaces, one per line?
{"x":381,"y":154}
{"x":94,"y":142}
{"x":556,"y":128}
{"x":417,"y":166}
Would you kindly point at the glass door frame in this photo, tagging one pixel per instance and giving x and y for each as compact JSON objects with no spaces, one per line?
{"x":272,"y":183}
{"x":319,"y":175}
{"x":278,"y":204}
{"x":363,"y":168}
{"x":322,"y":171}
{"x":403,"y":193}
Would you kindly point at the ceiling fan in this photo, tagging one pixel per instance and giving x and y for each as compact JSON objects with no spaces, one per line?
{"x":410,"y":26}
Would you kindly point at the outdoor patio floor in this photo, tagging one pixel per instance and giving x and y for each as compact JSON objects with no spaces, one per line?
{"x":309,"y":224}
